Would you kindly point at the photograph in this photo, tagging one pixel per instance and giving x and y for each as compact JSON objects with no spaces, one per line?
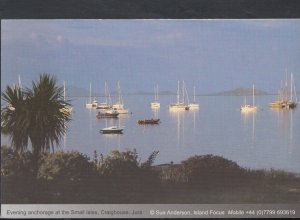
{"x":170,"y":112}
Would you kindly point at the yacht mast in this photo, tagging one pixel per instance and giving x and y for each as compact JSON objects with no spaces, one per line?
{"x":178,"y":92}
{"x":105,"y":92}
{"x":157,"y":93}
{"x":286,"y":87}
{"x":90,"y":92}
{"x":291,"y":87}
{"x":183,"y":91}
{"x":253,"y":94}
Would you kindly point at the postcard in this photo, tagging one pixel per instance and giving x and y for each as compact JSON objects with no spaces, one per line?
{"x":150,"y":118}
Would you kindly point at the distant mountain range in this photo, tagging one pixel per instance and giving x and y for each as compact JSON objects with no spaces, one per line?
{"x":240,"y":92}
{"x":152,"y":93}
{"x":80,"y":92}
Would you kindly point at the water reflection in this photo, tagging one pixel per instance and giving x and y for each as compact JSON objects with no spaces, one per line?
{"x":179,"y":118}
{"x":155,"y":112}
{"x":286,"y":126}
{"x":194,"y":112}
{"x":248,"y":118}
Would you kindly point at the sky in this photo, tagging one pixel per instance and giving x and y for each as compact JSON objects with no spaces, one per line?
{"x":212,"y":55}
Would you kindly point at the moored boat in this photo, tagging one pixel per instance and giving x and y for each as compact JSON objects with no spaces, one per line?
{"x":179,"y":106}
{"x":112,"y":130}
{"x":249,"y":108}
{"x":284,"y":101}
{"x":66,"y":109}
{"x":155,"y":104}
{"x":107,"y":103}
{"x":194,"y":105}
{"x":119,"y":107}
{"x":149,"y":121}
{"x":91,"y":104}
{"x":107,"y":114}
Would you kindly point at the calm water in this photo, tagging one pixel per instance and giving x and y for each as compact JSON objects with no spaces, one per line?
{"x":266,"y":139}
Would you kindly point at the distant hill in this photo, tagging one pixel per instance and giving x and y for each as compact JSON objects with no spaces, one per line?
{"x":74,"y":91}
{"x":152,"y":93}
{"x":240,"y":92}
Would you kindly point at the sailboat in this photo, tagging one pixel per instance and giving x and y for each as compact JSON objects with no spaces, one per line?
{"x":91,"y":104}
{"x":66,"y":109}
{"x":292,"y":103}
{"x":247,"y":107}
{"x":194,"y":105}
{"x":155,"y":104}
{"x":283,"y":100}
{"x":179,"y":106}
{"x":107,"y":103}
{"x":119,"y":106}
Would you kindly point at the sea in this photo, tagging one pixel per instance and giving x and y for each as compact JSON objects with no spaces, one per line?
{"x":266,"y":139}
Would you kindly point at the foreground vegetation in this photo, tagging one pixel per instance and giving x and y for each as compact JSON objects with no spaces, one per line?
{"x":71,"y":177}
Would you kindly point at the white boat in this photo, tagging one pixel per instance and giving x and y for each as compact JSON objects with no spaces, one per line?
{"x":179,"y":106}
{"x":91,"y":104}
{"x":66,"y":109}
{"x":119,"y":106}
{"x":194,"y":105}
{"x":247,"y":107}
{"x":155,"y":104}
{"x":111,"y":130}
{"x":107,"y":103}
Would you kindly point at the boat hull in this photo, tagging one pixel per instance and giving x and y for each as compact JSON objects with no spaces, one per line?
{"x":194,"y":106}
{"x":107,"y":115}
{"x":248,"y":108}
{"x":155,"y":105}
{"x":120,"y":131}
{"x":111,"y":131}
{"x":287,"y":105}
{"x":179,"y":107}
{"x":149,"y":121}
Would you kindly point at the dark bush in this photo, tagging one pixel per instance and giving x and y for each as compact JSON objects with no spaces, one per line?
{"x":123,"y":170}
{"x":65,"y":166}
{"x":14,"y":163}
{"x":210,"y":171}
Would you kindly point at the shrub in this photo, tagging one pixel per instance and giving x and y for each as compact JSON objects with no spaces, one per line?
{"x":210,"y":171}
{"x":14,"y":163}
{"x":123,"y":169}
{"x":65,"y":167}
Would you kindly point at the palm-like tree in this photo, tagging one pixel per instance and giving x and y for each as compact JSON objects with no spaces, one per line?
{"x":35,"y":114}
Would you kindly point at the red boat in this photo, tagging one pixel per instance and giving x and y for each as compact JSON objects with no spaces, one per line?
{"x":149,"y":121}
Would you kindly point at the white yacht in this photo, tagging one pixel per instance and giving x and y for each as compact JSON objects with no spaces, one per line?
{"x":247,"y":107}
{"x":91,"y":104}
{"x":155,"y":104}
{"x":66,"y":109}
{"x":194,"y":105}
{"x":179,"y":106}
{"x":119,"y":106}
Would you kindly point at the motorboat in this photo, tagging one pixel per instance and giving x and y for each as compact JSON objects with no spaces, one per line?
{"x":112,"y":130}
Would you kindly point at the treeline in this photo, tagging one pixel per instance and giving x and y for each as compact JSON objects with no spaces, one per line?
{"x":121,"y":177}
